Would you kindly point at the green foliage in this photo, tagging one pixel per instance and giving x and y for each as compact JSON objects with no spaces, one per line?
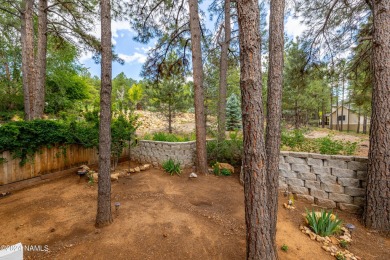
{"x":24,"y":139}
{"x":292,"y":139}
{"x":329,"y":146}
{"x":340,"y":256}
{"x":284,"y":247}
{"x":135,"y":93}
{"x":325,"y":224}
{"x":229,"y":150}
{"x":220,"y":172}
{"x":166,"y":137}
{"x":296,"y":141}
{"x":171,"y":167}
{"x":233,"y":113}
{"x":122,"y":133}
{"x":344,"y":243}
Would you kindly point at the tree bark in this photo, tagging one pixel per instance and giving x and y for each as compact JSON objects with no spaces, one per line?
{"x":331,"y":109}
{"x":27,"y":39}
{"x":358,"y":127}
{"x":377,"y":210}
{"x":223,"y":74}
{"x":39,"y":104}
{"x":104,"y":216}
{"x":259,"y":238}
{"x":200,"y":124}
{"x":342,"y":107}
{"x":274,"y":110}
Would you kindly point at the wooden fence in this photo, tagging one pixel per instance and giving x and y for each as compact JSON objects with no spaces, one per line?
{"x":48,"y":160}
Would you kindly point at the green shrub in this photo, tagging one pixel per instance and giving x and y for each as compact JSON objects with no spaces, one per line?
{"x":217,"y":171}
{"x":292,"y":139}
{"x":229,"y":151}
{"x":324,"y":224}
{"x":171,"y":167}
{"x":284,"y":247}
{"x":344,"y":243}
{"x":166,"y":137}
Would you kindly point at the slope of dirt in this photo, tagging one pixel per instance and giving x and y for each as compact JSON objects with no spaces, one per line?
{"x":160,"y":217}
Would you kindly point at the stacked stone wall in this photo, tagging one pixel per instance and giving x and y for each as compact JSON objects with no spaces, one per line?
{"x":157,"y":153}
{"x":331,"y":181}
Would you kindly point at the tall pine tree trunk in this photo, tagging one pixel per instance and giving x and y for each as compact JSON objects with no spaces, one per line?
{"x":27,"y":39}
{"x":274,"y":110}
{"x":104,"y":216}
{"x":377,"y":210}
{"x":200,"y":124}
{"x":259,"y":238}
{"x":358,"y":126}
{"x":342,"y":108}
{"x":39,"y":104}
{"x":223,"y":74}
{"x":331,"y":109}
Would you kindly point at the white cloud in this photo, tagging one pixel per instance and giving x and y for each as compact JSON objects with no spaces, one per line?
{"x":294,"y":27}
{"x":136,"y":57}
{"x":85,"y":56}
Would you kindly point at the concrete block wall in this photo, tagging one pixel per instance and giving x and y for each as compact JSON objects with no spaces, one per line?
{"x":331,"y":181}
{"x":157,"y":153}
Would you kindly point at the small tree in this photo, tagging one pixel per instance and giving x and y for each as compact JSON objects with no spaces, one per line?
{"x":233,"y":113}
{"x":170,"y":94}
{"x":122,"y":134}
{"x":135,"y":95}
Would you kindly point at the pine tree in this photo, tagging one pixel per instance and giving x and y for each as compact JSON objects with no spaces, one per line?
{"x":233,"y":113}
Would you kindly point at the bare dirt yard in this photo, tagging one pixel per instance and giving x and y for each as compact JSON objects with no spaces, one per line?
{"x":160,"y":217}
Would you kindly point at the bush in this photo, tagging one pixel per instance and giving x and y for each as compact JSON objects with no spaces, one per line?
{"x":329,"y":146}
{"x":166,"y":137}
{"x":284,"y":247}
{"x":220,"y":172}
{"x":323,"y":224}
{"x":171,"y":167}
{"x":292,"y":139}
{"x":229,"y":151}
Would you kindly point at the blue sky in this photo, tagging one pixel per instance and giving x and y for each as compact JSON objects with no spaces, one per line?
{"x":134,"y":54}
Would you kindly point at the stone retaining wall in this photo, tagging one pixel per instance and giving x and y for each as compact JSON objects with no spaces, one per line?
{"x":331,"y":181}
{"x":157,"y":153}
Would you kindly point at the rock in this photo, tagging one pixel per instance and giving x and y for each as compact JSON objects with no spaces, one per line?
{"x":131,"y":170}
{"x":114,"y":176}
{"x":226,"y":166}
{"x":346,"y":238}
{"x":193,"y":175}
{"x":211,"y":170}
{"x":147,"y":166}
{"x":122,"y":174}
{"x":334,"y":240}
{"x":95,"y":176}
{"x":326,"y":248}
{"x":320,"y":239}
{"x":312,"y":236}
{"x":137,"y":169}
{"x":142,"y":168}
{"x":84,"y":168}
{"x":334,"y":249}
{"x":155,"y":164}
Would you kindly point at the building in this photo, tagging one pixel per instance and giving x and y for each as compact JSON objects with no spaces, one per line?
{"x":349,"y":118}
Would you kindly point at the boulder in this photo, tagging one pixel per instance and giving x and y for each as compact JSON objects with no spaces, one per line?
{"x":114,"y":176}
{"x":147,"y":166}
{"x":84,"y":168}
{"x":193,"y":175}
{"x":137,"y":169}
{"x":226,"y":166}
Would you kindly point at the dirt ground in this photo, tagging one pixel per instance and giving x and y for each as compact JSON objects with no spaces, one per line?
{"x":160,"y":217}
